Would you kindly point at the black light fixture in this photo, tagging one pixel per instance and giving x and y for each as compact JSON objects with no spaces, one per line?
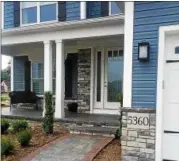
{"x":143,"y":51}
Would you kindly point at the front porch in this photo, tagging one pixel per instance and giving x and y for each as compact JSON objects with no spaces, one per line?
{"x":92,"y":68}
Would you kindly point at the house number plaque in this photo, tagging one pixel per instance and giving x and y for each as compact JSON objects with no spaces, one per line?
{"x":138,"y":120}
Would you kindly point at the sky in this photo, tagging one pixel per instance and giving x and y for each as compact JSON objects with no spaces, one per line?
{"x":5,"y":60}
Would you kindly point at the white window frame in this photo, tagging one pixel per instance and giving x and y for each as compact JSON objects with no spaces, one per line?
{"x":110,"y":13}
{"x":35,"y":62}
{"x":2,"y":12}
{"x":56,"y":20}
{"x":38,"y":14}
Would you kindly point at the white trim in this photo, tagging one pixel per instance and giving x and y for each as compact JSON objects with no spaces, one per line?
{"x":2,"y":20}
{"x":128,"y":52}
{"x":38,"y":12}
{"x":163,"y":30}
{"x":106,"y":111}
{"x":57,"y":11}
{"x":92,"y":82}
{"x":12,"y":73}
{"x":110,"y":8}
{"x":83,"y":9}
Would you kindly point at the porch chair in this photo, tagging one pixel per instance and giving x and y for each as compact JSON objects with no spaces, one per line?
{"x":23,"y":97}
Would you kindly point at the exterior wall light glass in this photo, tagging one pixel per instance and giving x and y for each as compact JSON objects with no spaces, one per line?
{"x":143,"y":51}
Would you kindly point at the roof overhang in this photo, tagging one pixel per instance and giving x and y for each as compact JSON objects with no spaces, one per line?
{"x":57,"y":26}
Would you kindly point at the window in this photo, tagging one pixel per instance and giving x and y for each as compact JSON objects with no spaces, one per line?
{"x":114,"y":8}
{"x":47,"y":11}
{"x":29,"y":12}
{"x":38,"y":78}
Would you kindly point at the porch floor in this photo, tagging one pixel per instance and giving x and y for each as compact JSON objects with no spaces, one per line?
{"x":70,"y":117}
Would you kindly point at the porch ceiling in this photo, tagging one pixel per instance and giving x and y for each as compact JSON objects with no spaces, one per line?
{"x":37,"y":48}
{"x":22,"y":49}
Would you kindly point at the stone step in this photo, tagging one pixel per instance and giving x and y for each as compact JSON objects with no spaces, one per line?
{"x":90,"y":122}
{"x":93,"y":130}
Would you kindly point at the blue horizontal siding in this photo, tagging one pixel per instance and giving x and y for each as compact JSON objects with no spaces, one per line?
{"x":11,"y":14}
{"x":72,"y":11}
{"x":8,"y":15}
{"x":93,"y":9}
{"x":143,"y":84}
{"x":148,"y":17}
{"x":154,"y":6}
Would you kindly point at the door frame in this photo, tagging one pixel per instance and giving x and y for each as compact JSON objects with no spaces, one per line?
{"x":106,"y":78}
{"x":101,"y":103}
{"x":163,"y":31}
{"x":99,"y":107}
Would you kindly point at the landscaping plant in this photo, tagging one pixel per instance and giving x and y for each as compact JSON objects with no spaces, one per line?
{"x":6,"y":146}
{"x":48,"y":119}
{"x":24,"y":137}
{"x":18,"y":125}
{"x":4,"y":125}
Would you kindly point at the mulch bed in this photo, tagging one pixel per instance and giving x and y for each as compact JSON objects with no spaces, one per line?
{"x":38,"y":139}
{"x":110,"y":153}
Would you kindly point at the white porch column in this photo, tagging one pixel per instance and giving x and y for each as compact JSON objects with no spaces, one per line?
{"x":60,"y":80}
{"x":128,"y":51}
{"x":83,"y":10}
{"x":47,"y":66}
{"x":12,"y":73}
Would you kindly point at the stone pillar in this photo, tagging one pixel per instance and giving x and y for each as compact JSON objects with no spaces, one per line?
{"x":83,"y":10}
{"x":138,"y":134}
{"x":60,"y":80}
{"x":47,"y":66}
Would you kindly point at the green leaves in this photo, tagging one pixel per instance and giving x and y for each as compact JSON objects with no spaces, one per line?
{"x":48,"y":119}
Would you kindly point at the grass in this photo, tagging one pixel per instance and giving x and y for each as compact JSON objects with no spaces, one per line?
{"x":4,"y":97}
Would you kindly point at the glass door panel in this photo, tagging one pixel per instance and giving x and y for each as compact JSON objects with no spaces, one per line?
{"x":113,"y":78}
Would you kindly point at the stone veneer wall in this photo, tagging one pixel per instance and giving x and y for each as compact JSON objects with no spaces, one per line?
{"x":138,"y":137}
{"x":84,"y":69}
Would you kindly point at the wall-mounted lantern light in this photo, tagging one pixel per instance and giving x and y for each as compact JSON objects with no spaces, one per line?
{"x":143,"y":51}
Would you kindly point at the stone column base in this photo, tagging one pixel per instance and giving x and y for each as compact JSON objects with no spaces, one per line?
{"x":138,"y":134}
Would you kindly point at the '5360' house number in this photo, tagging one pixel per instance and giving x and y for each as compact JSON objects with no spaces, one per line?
{"x":138,"y":120}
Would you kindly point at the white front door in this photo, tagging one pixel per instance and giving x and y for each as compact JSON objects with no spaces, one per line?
{"x":108,"y":79}
{"x":170,"y":148}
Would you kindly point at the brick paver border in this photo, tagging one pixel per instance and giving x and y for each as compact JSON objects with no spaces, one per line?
{"x":87,"y":157}
{"x":104,"y":141}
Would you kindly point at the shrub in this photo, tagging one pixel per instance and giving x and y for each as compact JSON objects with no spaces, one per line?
{"x":48,"y":119}
{"x":24,"y":137}
{"x":4,"y":125}
{"x":19,"y":125}
{"x":6,"y":146}
{"x":118,"y":133}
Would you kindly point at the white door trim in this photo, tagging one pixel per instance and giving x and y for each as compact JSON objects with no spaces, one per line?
{"x":163,"y":30}
{"x":99,"y":105}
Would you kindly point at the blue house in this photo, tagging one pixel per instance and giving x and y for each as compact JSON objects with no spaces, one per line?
{"x":119,"y":58}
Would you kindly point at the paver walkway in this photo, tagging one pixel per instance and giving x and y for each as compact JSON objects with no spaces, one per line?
{"x":70,"y":148}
